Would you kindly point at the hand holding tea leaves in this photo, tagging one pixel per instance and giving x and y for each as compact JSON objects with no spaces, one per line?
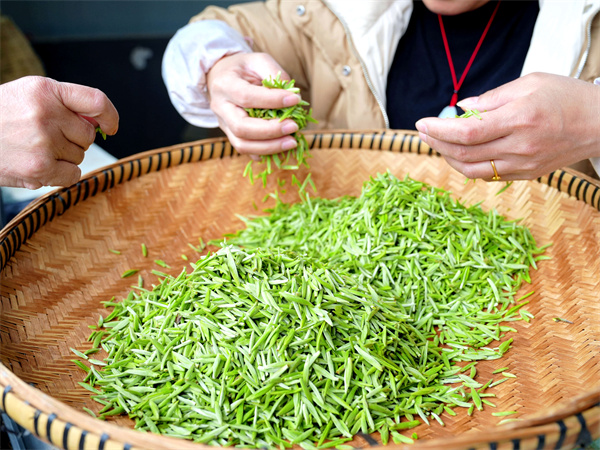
{"x":298,"y":114}
{"x":234,"y":84}
{"x":47,"y":130}
{"x":532,"y":126}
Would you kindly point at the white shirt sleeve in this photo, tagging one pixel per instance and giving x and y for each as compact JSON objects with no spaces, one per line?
{"x":190,"y":54}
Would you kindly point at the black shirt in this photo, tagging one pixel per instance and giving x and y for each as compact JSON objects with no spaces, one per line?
{"x":420,"y":82}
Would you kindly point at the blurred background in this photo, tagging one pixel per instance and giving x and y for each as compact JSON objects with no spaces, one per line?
{"x":116,"y":46}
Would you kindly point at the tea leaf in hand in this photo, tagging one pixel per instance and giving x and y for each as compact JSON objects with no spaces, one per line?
{"x":298,"y":114}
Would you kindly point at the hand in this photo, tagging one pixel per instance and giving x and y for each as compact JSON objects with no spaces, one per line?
{"x":45,"y":128}
{"x":235,"y":83}
{"x":529,"y":127}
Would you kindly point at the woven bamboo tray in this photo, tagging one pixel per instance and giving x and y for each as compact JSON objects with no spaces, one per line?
{"x":56,"y":268}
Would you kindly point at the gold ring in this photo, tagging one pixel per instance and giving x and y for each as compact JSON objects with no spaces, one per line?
{"x":496,"y":177}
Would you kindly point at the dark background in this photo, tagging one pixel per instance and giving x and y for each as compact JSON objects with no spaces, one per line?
{"x":116,"y":46}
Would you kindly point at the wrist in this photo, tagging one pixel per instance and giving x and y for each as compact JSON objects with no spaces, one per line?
{"x":214,"y":71}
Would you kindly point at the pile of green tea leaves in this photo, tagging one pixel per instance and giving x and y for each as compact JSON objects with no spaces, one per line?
{"x":321,"y":320}
{"x":298,"y":114}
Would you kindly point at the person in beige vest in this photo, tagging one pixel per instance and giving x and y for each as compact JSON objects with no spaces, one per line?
{"x":340,"y":54}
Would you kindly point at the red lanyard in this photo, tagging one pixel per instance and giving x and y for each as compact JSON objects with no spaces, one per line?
{"x":462,"y":78}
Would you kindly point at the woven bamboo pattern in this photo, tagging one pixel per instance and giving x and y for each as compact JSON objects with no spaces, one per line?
{"x":56,"y":269}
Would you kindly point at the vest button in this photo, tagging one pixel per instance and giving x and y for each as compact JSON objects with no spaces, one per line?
{"x":346,"y":70}
{"x":300,"y":10}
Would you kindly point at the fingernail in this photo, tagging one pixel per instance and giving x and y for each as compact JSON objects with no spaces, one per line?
{"x":421,"y":126}
{"x":423,"y":137}
{"x":291,"y":100}
{"x":468,"y":103}
{"x":289,"y":143}
{"x":289,"y":127}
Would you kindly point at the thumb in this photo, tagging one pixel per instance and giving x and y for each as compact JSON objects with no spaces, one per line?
{"x":495,"y":98}
{"x":90,"y":103}
{"x":266,"y":68}
{"x":272,"y":72}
